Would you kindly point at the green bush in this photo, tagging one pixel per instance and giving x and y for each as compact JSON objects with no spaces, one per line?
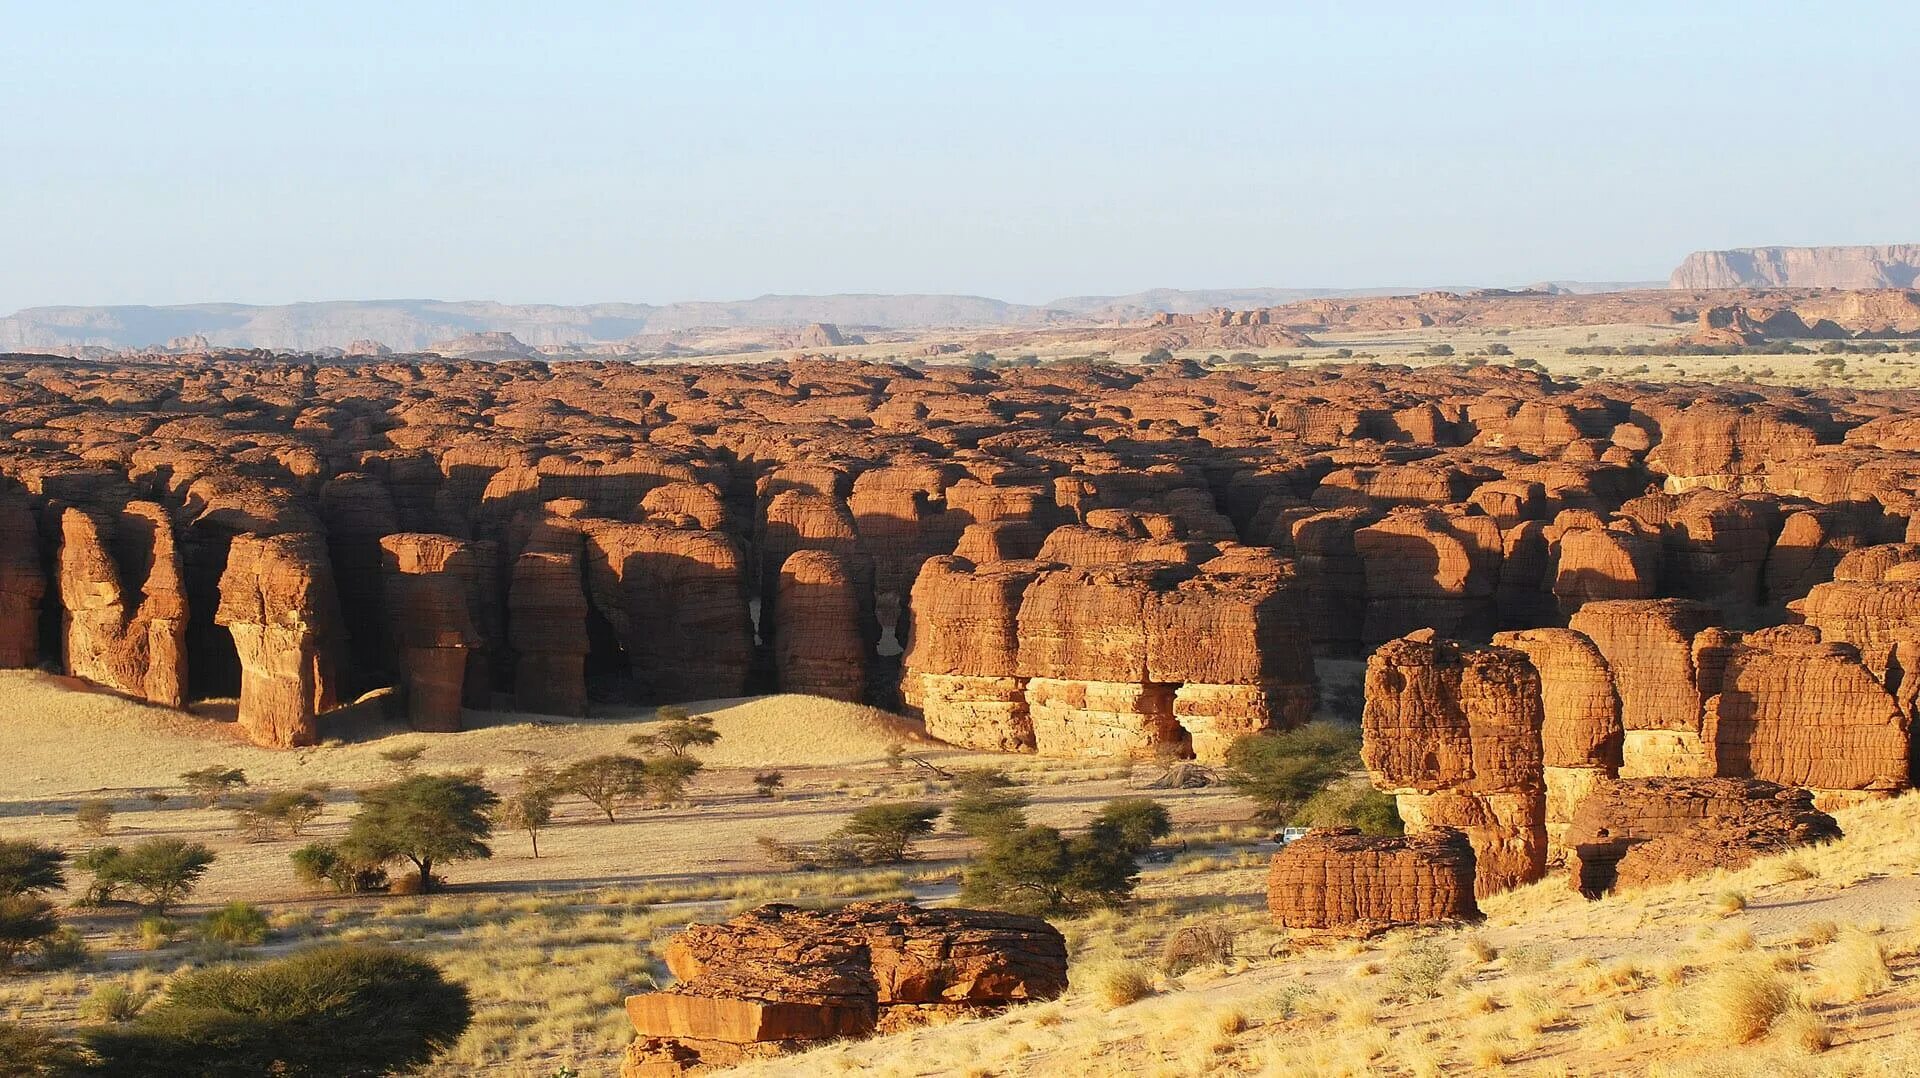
{"x":33,"y":1052}
{"x":988,"y":804}
{"x":163,"y":870}
{"x":28,"y":868}
{"x":1351,"y":804}
{"x":238,"y":923}
{"x":1279,"y":772}
{"x":113,"y":1003}
{"x":1038,"y":870}
{"x":885,"y":833}
{"x":26,"y":922}
{"x":323,"y":863}
{"x":328,"y":1011}
{"x":422,"y":819}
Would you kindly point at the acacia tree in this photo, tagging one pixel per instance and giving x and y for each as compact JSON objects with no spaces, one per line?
{"x":425,"y":820}
{"x":605,"y":781}
{"x":678,"y":732}
{"x":530,"y":807}
{"x":1281,"y":771}
{"x":163,"y":870}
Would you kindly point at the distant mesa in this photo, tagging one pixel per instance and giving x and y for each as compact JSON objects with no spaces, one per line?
{"x":1890,"y":266}
{"x":491,"y":344}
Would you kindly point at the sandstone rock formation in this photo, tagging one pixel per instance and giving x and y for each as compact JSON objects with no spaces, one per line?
{"x":1799,"y":712}
{"x":1639,"y":832}
{"x":1455,"y":734}
{"x":1580,"y":736}
{"x":277,"y":599}
{"x":126,"y":611}
{"x":23,"y":582}
{"x":1339,"y":880}
{"x":1648,"y":646}
{"x":779,"y":979}
{"x":431,"y":584}
{"x":823,"y":637}
{"x":1889,"y":266}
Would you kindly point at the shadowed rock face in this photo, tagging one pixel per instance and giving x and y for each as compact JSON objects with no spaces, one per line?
{"x":1196,"y":536}
{"x":431,"y":585}
{"x":1639,"y":832}
{"x":781,"y":979}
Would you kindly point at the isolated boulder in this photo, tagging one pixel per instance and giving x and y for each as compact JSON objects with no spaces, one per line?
{"x":779,"y":979}
{"x":1632,"y":833}
{"x":1339,"y":880}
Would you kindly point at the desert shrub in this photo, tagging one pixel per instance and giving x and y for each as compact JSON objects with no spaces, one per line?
{"x":1351,"y":804}
{"x":1158,"y":355}
{"x":94,"y":817}
{"x":1039,"y":870}
{"x":1195,"y":946}
{"x":988,"y":804}
{"x":884,"y":834}
{"x":1421,"y":970}
{"x":834,"y":851}
{"x":324,"y":863}
{"x":666,"y":777}
{"x":404,"y":758}
{"x":605,"y":781}
{"x":26,"y":922}
{"x":1132,"y":824}
{"x":239,"y":923}
{"x":210,"y":784}
{"x":1853,"y":968}
{"x":156,"y":932}
{"x":34,"y":1052}
{"x":280,"y":814}
{"x":1739,"y":1002}
{"x":163,"y":871}
{"x":334,"y":1010}
{"x":422,"y":819}
{"x":1279,"y":772}
{"x":768,"y":783}
{"x":65,"y":949}
{"x":29,"y":868}
{"x":1439,"y":350}
{"x":678,"y":734}
{"x":113,"y":1002}
{"x":1117,"y":983}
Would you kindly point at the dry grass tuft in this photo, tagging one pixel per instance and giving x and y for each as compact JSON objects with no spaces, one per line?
{"x":1116,"y":983}
{"x":1729,"y":902}
{"x":1738,"y":1003}
{"x":1853,"y":968}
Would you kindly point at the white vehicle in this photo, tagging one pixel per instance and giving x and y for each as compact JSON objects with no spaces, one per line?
{"x":1289,"y":834}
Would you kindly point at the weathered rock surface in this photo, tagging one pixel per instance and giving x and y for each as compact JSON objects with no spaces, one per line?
{"x":1648,"y":648}
{"x":1799,"y":712}
{"x":431,"y":582}
{"x":1455,"y":733}
{"x":1339,"y":880}
{"x":23,"y":582}
{"x":277,"y":599}
{"x":125,"y":602}
{"x":1639,"y":832}
{"x":823,"y":639}
{"x":780,"y":978}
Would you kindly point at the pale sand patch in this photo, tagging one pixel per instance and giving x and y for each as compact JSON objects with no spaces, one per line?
{"x":63,"y":739}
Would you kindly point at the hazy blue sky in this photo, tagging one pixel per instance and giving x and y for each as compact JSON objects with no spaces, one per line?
{"x":160,"y":153}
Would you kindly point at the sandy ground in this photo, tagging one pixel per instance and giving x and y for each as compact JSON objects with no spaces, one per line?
{"x":67,"y":744}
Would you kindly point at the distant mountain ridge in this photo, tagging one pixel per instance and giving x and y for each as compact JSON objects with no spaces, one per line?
{"x":415,"y":324}
{"x":1895,"y":265}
